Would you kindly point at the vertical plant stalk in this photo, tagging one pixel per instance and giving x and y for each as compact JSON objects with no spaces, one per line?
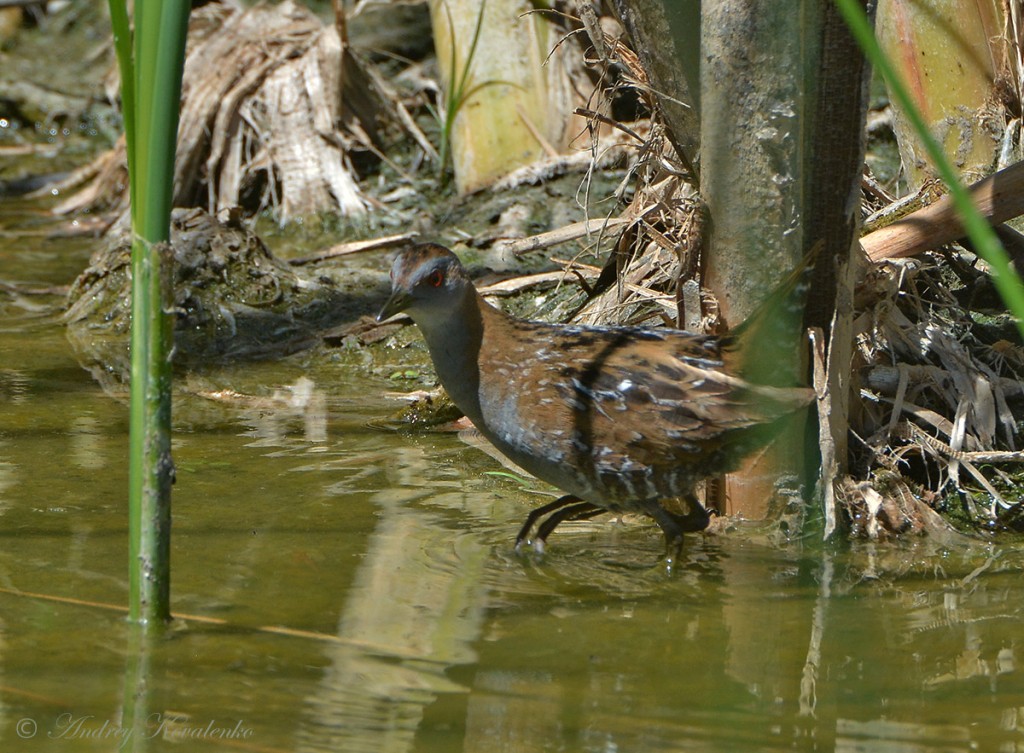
{"x":151,"y":62}
{"x":753,"y":145}
{"x":506,"y":102}
{"x":954,"y":59}
{"x":151,"y":470}
{"x":832,"y":172}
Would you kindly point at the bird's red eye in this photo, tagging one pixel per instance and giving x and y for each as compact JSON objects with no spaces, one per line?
{"x":436,"y":278}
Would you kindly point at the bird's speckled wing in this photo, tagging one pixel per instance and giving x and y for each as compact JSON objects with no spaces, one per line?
{"x":645,"y":409}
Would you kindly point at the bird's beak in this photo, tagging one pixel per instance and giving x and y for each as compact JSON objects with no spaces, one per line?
{"x":399,"y":301}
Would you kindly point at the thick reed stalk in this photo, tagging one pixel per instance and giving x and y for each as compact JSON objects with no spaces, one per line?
{"x":151,"y":62}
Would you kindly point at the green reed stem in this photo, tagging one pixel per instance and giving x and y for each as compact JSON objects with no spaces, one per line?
{"x":151,"y":62}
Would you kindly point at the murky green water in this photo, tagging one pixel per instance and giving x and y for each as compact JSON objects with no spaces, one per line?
{"x":347,"y":588}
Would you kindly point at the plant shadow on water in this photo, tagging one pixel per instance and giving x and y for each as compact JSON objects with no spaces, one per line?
{"x":340,"y":587}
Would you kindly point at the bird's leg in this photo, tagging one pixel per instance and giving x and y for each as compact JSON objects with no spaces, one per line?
{"x":670,"y":526}
{"x":697,"y":519}
{"x":540,"y":512}
{"x":578,"y":511}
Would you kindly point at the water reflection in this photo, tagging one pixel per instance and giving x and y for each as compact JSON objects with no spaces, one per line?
{"x":271,"y":418}
{"x":781,"y":658}
{"x":418,"y":596}
{"x":86,"y":443}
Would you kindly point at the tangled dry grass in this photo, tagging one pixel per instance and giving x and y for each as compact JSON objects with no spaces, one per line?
{"x":939,"y":398}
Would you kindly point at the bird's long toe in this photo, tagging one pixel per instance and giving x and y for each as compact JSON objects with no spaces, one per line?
{"x":539,"y":512}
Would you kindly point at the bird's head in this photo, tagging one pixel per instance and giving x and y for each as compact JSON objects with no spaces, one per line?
{"x":427,"y":282}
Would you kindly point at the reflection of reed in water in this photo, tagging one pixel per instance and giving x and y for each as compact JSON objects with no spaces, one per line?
{"x":417,"y":605}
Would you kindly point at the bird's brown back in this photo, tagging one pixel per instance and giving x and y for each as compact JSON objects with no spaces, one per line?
{"x":618,"y":414}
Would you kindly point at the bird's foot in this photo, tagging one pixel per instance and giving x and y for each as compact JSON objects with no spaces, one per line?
{"x":523,"y":537}
{"x":562,"y":509}
{"x":673,"y":551}
{"x":672,"y":526}
{"x":537,"y":544}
